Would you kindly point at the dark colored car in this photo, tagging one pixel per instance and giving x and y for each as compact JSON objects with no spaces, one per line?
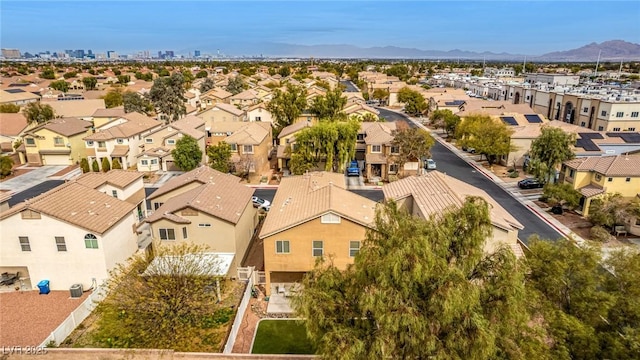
{"x":530,"y":183}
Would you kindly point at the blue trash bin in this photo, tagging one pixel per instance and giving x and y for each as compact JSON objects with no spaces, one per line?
{"x":44,"y":287}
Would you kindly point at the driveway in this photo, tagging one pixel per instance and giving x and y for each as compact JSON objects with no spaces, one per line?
{"x":30,"y":179}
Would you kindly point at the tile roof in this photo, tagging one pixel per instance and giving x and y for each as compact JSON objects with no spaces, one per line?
{"x":202,"y":174}
{"x":119,"y":150}
{"x":12,"y":124}
{"x":112,"y":112}
{"x":355,"y":107}
{"x":245,"y":95}
{"x":252,"y":133}
{"x":117,"y":177}
{"x":303,"y":198}
{"x":7,"y":97}
{"x":591,"y":190}
{"x":159,"y":152}
{"x":435,"y":192}
{"x":620,"y":165}
{"x":295,"y":127}
{"x":136,"y":123}
{"x":226,"y":200}
{"x":78,"y":205}
{"x":377,"y":133}
{"x":228,"y":108}
{"x":217,"y":93}
{"x":77,"y":108}
{"x":68,"y":126}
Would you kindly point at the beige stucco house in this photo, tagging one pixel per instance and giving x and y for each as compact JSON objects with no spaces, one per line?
{"x":222,"y":113}
{"x":56,"y":142}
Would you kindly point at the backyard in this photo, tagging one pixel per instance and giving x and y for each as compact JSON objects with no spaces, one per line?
{"x":282,"y":337}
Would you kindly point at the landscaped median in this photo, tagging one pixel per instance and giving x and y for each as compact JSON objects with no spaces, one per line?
{"x":281,"y":336}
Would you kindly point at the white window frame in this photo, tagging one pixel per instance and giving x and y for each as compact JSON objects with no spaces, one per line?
{"x":144,"y":162}
{"x":374,"y":151}
{"x":171,"y":141}
{"x":620,"y":114}
{"x":204,"y":225}
{"x":185,"y":234}
{"x":317,"y":245}
{"x":154,"y":161}
{"x":90,"y":241}
{"x":148,"y":141}
{"x":30,"y":141}
{"x":114,"y":193}
{"x":167,"y":231}
{"x":120,"y":141}
{"x":245,"y":147}
{"x":330,"y":218}
{"x":352,"y":248}
{"x":90,"y":143}
{"x":282,"y":246}
{"x":102,"y":144}
{"x":25,"y":245}
{"x":397,"y":150}
{"x":58,"y":141}
{"x":233,"y":147}
{"x":61,"y":244}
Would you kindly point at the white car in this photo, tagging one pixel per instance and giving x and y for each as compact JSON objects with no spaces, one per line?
{"x":431,"y":164}
{"x":260,"y":203}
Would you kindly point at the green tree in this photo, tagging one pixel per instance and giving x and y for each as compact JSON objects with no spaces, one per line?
{"x":94,"y":166}
{"x":400,"y":71}
{"x":124,"y":79}
{"x":445,"y":119}
{"x":116,"y":164}
{"x":187,"y":154}
{"x":106,"y":165}
{"x":413,"y":144}
{"x":207,"y":85}
{"x":414,"y":102}
{"x":89,"y":82}
{"x":9,"y":108}
{"x":70,"y":74}
{"x":561,"y":194}
{"x":202,"y":74}
{"x":6,"y":166}
{"x":134,"y":102}
{"x":113,"y":98}
{"x":369,"y":117}
{"x":164,"y":301}
{"x":84,"y":165}
{"x":167,"y":96}
{"x":236,"y":85}
{"x":284,"y":71}
{"x":330,"y":105}
{"x":48,"y":73}
{"x":549,"y":150}
{"x":286,"y":106}
{"x":220,"y":157}
{"x":144,"y":76}
{"x":188,"y":78}
{"x":612,"y":209}
{"x":422,"y":289}
{"x":489,"y":137}
{"x":38,"y":113}
{"x":382,"y":95}
{"x":60,"y":85}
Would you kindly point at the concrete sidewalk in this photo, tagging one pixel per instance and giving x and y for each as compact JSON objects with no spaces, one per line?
{"x":32,"y":178}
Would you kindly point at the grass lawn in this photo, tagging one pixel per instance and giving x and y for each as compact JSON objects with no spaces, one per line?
{"x":281,"y":337}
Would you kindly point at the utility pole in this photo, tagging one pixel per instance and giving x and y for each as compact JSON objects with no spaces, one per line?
{"x":620,"y":71}
{"x":597,"y":64}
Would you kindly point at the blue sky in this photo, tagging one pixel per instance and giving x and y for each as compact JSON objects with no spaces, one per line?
{"x":517,"y":27}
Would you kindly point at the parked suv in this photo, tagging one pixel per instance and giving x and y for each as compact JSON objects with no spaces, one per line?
{"x":530,"y":183}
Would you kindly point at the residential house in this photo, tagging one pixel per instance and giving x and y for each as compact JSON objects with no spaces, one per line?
{"x":121,"y":184}
{"x":82,"y":109}
{"x":217,"y":213}
{"x":103,"y":116}
{"x":4,"y":201}
{"x":12,"y":127}
{"x":159,"y":143}
{"x":312,"y":216}
{"x":286,"y":138}
{"x":594,"y":176}
{"x":222,"y":113}
{"x":56,"y":142}
{"x":360,"y":110}
{"x":87,"y":232}
{"x":250,"y":143}
{"x":17,"y":97}
{"x":213,"y":97}
{"x":120,"y":139}
{"x":259,"y":112}
{"x":245,"y":99}
{"x":435,"y":192}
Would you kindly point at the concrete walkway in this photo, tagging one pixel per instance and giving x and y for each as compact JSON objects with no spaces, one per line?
{"x":32,"y":178}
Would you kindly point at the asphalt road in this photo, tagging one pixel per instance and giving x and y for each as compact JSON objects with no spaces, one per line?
{"x":393,"y":116}
{"x":34,"y":191}
{"x":349,"y":86}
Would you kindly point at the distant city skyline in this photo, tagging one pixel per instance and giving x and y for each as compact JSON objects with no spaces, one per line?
{"x":255,"y":27}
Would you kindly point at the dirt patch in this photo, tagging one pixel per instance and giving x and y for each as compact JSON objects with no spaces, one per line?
{"x":150,"y":178}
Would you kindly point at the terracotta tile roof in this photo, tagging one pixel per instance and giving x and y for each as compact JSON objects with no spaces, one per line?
{"x":259,"y":105}
{"x":378,"y":133}
{"x":226,"y":200}
{"x":117,"y":178}
{"x":68,"y":126}
{"x":303,"y":198}
{"x":249,"y":94}
{"x":119,"y":150}
{"x":252,"y":133}
{"x":281,"y":152}
{"x":293,"y":128}
{"x":136,"y":124}
{"x":435,"y":192}
{"x":228,"y":108}
{"x":7,"y":97}
{"x":159,"y":152}
{"x":188,"y":122}
{"x":620,"y":165}
{"x":355,"y":107}
{"x":217,"y":93}
{"x":202,"y":175}
{"x":12,"y":124}
{"x":78,"y":205}
{"x":113,"y":112}
{"x":77,"y":108}
{"x":375,"y":158}
{"x":591,"y":190}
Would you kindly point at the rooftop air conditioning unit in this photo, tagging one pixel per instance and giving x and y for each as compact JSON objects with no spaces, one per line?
{"x":76,"y":290}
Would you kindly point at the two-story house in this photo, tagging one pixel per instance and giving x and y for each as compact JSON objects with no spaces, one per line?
{"x":222,"y":113}
{"x":595,"y":176}
{"x":72,"y":234}
{"x":214,"y":96}
{"x":312,"y":216}
{"x":121,"y":184}
{"x":56,"y":142}
{"x":12,"y":128}
{"x":435,"y":192}
{"x":103,"y":116}
{"x":120,"y":139}
{"x":205,"y":207}
{"x":159,"y":143}
{"x":286,"y":143}
{"x":82,"y":109}
{"x":259,"y":112}
{"x":245,"y":99}
{"x":250,"y":143}
{"x":375,"y":140}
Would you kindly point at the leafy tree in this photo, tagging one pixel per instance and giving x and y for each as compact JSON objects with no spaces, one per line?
{"x":489,"y":137}
{"x":106,"y":165}
{"x":48,"y":73}
{"x":413,"y":144}
{"x":284,"y":71}
{"x":329,"y":106}
{"x":60,"y":85}
{"x":414,"y":102}
{"x":612,"y":209}
{"x":84,"y":165}
{"x":38,"y":113}
{"x":164,"y":304}
{"x":113,"y":98}
{"x":117,"y":72}
{"x":381,"y":95}
{"x":236,"y":85}
{"x":70,"y":74}
{"x":167,"y":96}
{"x":187,"y":154}
{"x":202,"y":74}
{"x":6,"y":166}
{"x":89,"y":82}
{"x":134,"y":102}
{"x":220,"y":157}
{"x":144,"y":76}
{"x":561,"y":194}
{"x":445,"y":119}
{"x":9,"y":108}
{"x":188,"y":78}
{"x":124,"y":79}
{"x":400,"y":71}
{"x":422,"y":289}
{"x":549,"y":150}
{"x":94,"y":166}
{"x":116,"y":164}
{"x":207,"y":85}
{"x":369,"y":117}
{"x":288,"y":105}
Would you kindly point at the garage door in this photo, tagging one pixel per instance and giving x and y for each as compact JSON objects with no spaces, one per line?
{"x":55,"y":160}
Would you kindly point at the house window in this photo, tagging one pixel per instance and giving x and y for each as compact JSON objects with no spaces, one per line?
{"x":156,"y":206}
{"x":60,"y":243}
{"x":247,"y":149}
{"x":120,"y":141}
{"x":631,"y":129}
{"x":258,"y":118}
{"x":184,"y":233}
{"x":102,"y":144}
{"x":619,"y":114}
{"x":600,"y":128}
{"x":317,"y":247}
{"x":167,"y":234}
{"x":171,"y":141}
{"x":634,"y":114}
{"x":627,"y":179}
{"x":598,"y":177}
{"x":330,"y":219}
{"x":30,"y":141}
{"x":234,"y":147}
{"x":616,"y":129}
{"x":583,"y":124}
{"x":282,"y":246}
{"x":90,"y":241}
{"x":571,"y":173}
{"x":114,"y":193}
{"x":610,"y":179}
{"x":24,"y":243}
{"x":376,"y":148}
{"x":30,"y":214}
{"x":393,"y":168}
{"x":144,"y":162}
{"x":360,"y":137}
{"x":585,"y":110}
{"x":58,"y":141}
{"x":148,"y":140}
{"x":154,"y":161}
{"x":354,"y":248}
{"x":90,"y":143}
{"x":204,"y":225}
{"x":603,"y":113}
{"x":395,"y":150}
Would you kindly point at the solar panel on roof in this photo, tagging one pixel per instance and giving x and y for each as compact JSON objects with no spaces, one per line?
{"x":509,"y":120}
{"x":533,"y":118}
{"x":586,"y":135}
{"x":628,"y":137}
{"x":14,"y":91}
{"x":587,"y":145}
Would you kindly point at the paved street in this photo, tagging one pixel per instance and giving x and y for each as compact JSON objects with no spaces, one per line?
{"x":350,"y":87}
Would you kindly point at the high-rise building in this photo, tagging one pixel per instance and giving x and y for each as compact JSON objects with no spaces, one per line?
{"x":11,"y":53}
{"x":196,"y":53}
{"x":78,"y":54}
{"x":169,"y":54}
{"x":112,"y":55}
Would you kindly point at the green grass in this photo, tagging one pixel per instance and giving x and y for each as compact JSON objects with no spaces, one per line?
{"x":282,"y":337}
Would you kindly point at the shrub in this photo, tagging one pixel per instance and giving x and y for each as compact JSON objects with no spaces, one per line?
{"x":514,"y":174}
{"x":600,"y":234}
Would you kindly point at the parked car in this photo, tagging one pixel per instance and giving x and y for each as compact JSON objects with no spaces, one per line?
{"x":470,"y":150}
{"x":530,"y":183}
{"x":260,"y":203}
{"x":430,"y":164}
{"x":353,"y":169}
